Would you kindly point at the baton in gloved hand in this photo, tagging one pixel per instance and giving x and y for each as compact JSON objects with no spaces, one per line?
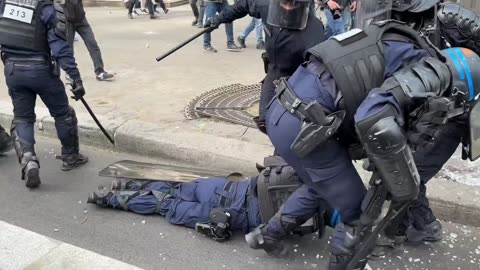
{"x":178,"y":47}
{"x":92,"y":114}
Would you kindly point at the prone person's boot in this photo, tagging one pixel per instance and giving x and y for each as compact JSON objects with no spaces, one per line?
{"x":6,"y":143}
{"x":100,"y":197}
{"x":67,"y":131}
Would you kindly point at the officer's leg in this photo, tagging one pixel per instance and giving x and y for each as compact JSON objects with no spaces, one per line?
{"x":23,"y":99}
{"x":85,"y":31}
{"x":329,"y":171}
{"x":425,"y":226}
{"x":300,"y":206}
{"x":54,"y":96}
{"x":5,"y":141}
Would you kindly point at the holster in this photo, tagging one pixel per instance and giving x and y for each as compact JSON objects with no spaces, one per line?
{"x":265,"y":62}
{"x":317,"y":127}
{"x":54,"y":67}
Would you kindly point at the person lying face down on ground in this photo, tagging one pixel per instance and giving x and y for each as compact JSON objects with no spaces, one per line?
{"x":215,"y":206}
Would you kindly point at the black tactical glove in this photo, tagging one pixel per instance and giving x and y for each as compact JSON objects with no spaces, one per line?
{"x":212,"y":23}
{"x":77,"y":89}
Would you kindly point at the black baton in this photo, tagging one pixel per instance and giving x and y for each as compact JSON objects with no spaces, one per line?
{"x":96,"y":120}
{"x":178,"y":47}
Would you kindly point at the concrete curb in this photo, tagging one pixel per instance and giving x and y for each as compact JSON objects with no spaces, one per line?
{"x":451,"y":201}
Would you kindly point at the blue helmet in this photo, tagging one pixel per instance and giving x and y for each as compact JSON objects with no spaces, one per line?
{"x":465,"y":67}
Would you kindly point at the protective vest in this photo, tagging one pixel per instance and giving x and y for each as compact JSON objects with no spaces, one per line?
{"x":21,"y":26}
{"x":355,"y":60}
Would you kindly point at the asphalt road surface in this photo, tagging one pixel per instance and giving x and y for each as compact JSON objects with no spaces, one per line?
{"x":58,"y":209}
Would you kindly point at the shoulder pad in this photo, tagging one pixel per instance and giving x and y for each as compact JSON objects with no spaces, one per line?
{"x":449,"y":13}
{"x":60,"y":22}
{"x":58,"y":8}
{"x":463,"y":20}
{"x":466,"y":20}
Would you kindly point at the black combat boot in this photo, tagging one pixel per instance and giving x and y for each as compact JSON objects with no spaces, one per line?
{"x":27,"y":159}
{"x":30,"y":170}
{"x":431,"y":232}
{"x":342,"y":248}
{"x":260,"y":239}
{"x":67,"y":131}
{"x":72,"y":161}
{"x":6,"y":143}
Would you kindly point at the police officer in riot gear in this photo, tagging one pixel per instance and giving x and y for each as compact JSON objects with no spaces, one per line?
{"x":384,"y":93}
{"x":287,"y":38}
{"x":215,"y":206}
{"x":33,"y":42}
{"x":446,"y":25}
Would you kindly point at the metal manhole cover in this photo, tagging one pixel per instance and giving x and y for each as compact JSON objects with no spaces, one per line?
{"x":232,"y":103}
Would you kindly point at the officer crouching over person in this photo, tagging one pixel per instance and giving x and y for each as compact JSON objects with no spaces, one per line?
{"x":385,"y":93}
{"x":33,"y":46}
{"x":215,"y":206}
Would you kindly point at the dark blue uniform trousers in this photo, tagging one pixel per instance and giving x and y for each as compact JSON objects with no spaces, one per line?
{"x":327,"y":172}
{"x":27,"y":80}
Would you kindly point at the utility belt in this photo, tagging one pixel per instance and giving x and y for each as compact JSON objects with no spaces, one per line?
{"x":317,"y":127}
{"x":31,"y":60}
{"x":218,"y":227}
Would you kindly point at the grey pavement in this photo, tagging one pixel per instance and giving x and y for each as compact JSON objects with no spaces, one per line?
{"x":57,"y":210}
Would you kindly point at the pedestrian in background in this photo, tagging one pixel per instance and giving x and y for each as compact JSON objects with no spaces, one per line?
{"x":211,"y":9}
{"x":77,"y":23}
{"x":339,"y":16}
{"x":258,"y":26}
{"x":148,"y":3}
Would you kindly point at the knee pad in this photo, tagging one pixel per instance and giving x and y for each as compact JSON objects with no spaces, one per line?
{"x":67,"y":131}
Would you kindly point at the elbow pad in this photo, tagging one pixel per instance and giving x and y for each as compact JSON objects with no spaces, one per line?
{"x":386,"y":145}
